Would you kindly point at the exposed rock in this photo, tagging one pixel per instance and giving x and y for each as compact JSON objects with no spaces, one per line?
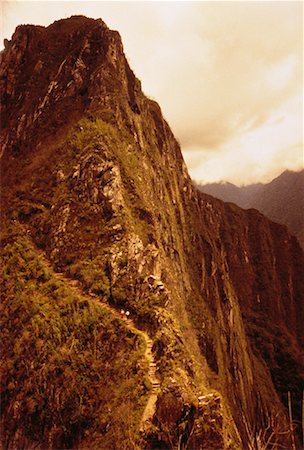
{"x":207,"y":431}
{"x":219,"y":289}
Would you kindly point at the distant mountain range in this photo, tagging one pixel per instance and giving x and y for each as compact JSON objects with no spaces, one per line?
{"x":100,"y":217}
{"x":281,"y":200}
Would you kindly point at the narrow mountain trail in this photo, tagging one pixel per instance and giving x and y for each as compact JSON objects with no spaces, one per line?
{"x":74,"y":285}
{"x":151,"y":404}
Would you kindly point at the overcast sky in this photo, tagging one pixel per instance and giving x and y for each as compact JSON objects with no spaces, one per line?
{"x":227,"y":75}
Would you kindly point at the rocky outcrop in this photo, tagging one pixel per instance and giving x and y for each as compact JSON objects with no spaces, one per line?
{"x":207,"y":429}
{"x":94,"y":176}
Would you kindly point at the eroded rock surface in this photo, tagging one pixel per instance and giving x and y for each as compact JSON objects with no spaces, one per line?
{"x":94,"y":177}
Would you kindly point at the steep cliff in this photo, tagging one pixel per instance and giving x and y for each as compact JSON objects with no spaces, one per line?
{"x":281,"y":200}
{"x":99,"y":215}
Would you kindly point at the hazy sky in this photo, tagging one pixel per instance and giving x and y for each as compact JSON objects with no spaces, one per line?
{"x":227,"y":75}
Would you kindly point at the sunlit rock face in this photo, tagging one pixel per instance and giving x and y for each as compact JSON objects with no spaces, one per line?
{"x":94,"y":182}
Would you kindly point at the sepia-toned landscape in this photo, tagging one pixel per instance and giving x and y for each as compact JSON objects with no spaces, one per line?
{"x":140,"y":309}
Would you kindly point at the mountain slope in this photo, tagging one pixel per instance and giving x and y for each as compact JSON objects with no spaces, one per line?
{"x":228,"y":192}
{"x":281,"y":200}
{"x":93,"y":179}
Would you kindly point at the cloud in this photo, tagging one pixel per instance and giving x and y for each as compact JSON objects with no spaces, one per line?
{"x":230,"y":68}
{"x":260,"y":154}
{"x":221,"y":71}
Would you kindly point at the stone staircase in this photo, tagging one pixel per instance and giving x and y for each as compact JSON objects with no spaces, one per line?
{"x":150,"y":408}
{"x":152,"y":366}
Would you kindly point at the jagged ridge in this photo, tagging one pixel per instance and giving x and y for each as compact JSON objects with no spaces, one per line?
{"x":96,"y":177}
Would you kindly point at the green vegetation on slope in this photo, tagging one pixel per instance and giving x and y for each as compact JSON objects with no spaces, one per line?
{"x":72,"y":373}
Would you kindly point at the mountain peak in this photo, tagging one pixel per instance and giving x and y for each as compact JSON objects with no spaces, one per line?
{"x":63,"y":61}
{"x":101,"y":219}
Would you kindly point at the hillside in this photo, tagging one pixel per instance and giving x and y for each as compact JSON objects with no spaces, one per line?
{"x":281,"y":200}
{"x":100,"y":214}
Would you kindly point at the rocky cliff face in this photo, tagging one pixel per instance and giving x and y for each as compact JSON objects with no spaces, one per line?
{"x":96,"y":197}
{"x":281,"y":200}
